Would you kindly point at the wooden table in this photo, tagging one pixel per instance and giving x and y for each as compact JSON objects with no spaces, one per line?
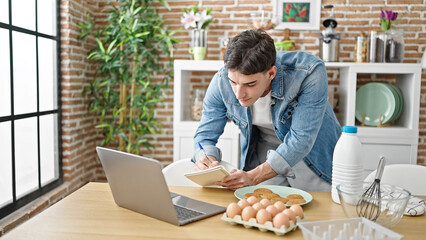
{"x":90,"y":213}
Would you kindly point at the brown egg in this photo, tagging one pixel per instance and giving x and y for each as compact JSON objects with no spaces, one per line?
{"x":272,"y":209}
{"x":247,"y":213}
{"x":298,"y":210}
{"x":252,"y":200}
{"x":290,"y":214}
{"x":232,"y":210}
{"x":243,"y":203}
{"x":265,"y":202}
{"x":258,"y":206}
{"x":281,"y":219}
{"x":263,"y":216}
{"x":280,"y":206}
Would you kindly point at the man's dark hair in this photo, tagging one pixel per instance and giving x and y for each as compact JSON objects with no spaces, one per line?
{"x":250,"y":52}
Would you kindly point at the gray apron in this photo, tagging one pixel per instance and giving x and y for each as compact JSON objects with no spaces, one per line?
{"x":300,"y":176}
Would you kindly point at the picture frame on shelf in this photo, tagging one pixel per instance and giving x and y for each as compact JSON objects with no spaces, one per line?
{"x":297,"y":14}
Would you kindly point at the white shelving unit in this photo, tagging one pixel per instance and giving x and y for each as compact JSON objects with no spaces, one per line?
{"x":184,"y":128}
{"x":398,"y":143}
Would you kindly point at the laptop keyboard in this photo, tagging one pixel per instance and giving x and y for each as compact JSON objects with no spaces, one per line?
{"x":186,"y":213}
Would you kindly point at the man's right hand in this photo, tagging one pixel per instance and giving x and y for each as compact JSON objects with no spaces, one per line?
{"x":203,"y":163}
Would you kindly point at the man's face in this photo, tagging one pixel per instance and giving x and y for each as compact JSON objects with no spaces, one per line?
{"x":249,"y":88}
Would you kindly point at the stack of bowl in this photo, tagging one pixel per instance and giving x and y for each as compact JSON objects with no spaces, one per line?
{"x":393,"y":202}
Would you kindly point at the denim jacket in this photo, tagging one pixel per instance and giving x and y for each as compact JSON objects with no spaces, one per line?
{"x":301,"y":115}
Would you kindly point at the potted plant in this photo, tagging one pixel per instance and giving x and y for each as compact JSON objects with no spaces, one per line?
{"x":124,"y":91}
{"x":197,"y":20}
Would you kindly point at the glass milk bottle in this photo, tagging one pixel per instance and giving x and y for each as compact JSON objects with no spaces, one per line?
{"x":347,"y":163}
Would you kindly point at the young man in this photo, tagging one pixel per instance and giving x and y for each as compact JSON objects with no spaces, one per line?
{"x":279,"y":101}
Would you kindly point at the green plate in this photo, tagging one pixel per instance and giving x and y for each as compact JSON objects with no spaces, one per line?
{"x":397,"y":103}
{"x":400,"y":102}
{"x":280,"y":190}
{"x":374,"y":99}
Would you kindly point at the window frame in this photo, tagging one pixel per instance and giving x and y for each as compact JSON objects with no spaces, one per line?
{"x":17,"y":203}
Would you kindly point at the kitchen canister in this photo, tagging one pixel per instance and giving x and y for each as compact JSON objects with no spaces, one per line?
{"x":360,"y":49}
{"x":197,"y":104}
{"x":347,"y":162}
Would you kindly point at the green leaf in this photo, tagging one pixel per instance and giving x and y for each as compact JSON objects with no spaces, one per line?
{"x":111,"y":45}
{"x":142,"y":34}
{"x":137,"y":10}
{"x":132,"y":6}
{"x":385,"y":24}
{"x":134,"y":25}
{"x":104,"y":125}
{"x":100,"y":45}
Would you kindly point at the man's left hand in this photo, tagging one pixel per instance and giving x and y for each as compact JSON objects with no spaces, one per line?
{"x":236,"y":179}
{"x":239,"y":178}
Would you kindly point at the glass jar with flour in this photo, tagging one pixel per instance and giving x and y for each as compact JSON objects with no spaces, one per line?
{"x":197,"y":103}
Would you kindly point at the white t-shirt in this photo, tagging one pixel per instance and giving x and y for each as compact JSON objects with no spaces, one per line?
{"x":262,"y":112}
{"x":300,"y":176}
{"x":261,"y":117}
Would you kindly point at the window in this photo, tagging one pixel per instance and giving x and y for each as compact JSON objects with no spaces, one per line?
{"x":30,"y":137}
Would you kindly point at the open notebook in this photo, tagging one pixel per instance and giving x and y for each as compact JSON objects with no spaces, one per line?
{"x":209,"y":176}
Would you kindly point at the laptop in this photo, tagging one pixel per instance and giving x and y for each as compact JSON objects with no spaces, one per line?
{"x":137,"y":183}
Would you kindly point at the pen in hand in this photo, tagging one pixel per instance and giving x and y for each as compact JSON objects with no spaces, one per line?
{"x":202,"y":149}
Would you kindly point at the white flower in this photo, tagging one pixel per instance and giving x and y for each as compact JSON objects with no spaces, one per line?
{"x":202,"y":18}
{"x":193,"y":18}
{"x":189,"y":19}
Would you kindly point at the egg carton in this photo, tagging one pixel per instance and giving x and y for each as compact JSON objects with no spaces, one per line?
{"x":267,"y":226}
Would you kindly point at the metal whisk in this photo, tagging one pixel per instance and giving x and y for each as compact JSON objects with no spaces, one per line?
{"x":370,"y":203}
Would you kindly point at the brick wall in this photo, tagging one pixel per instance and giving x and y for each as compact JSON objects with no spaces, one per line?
{"x":80,"y":164}
{"x":354,"y":17}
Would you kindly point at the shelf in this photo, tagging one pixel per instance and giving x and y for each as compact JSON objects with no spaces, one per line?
{"x":408,"y":77}
{"x":399,"y":142}
{"x":388,"y":135}
{"x":398,"y":68}
{"x":198,"y":65}
{"x":214,"y":65}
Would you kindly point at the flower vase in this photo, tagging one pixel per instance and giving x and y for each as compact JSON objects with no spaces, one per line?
{"x":394,"y":52}
{"x":198,"y":44}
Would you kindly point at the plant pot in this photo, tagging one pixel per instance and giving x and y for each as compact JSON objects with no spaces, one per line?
{"x":198,"y":48}
{"x":394,"y":46}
